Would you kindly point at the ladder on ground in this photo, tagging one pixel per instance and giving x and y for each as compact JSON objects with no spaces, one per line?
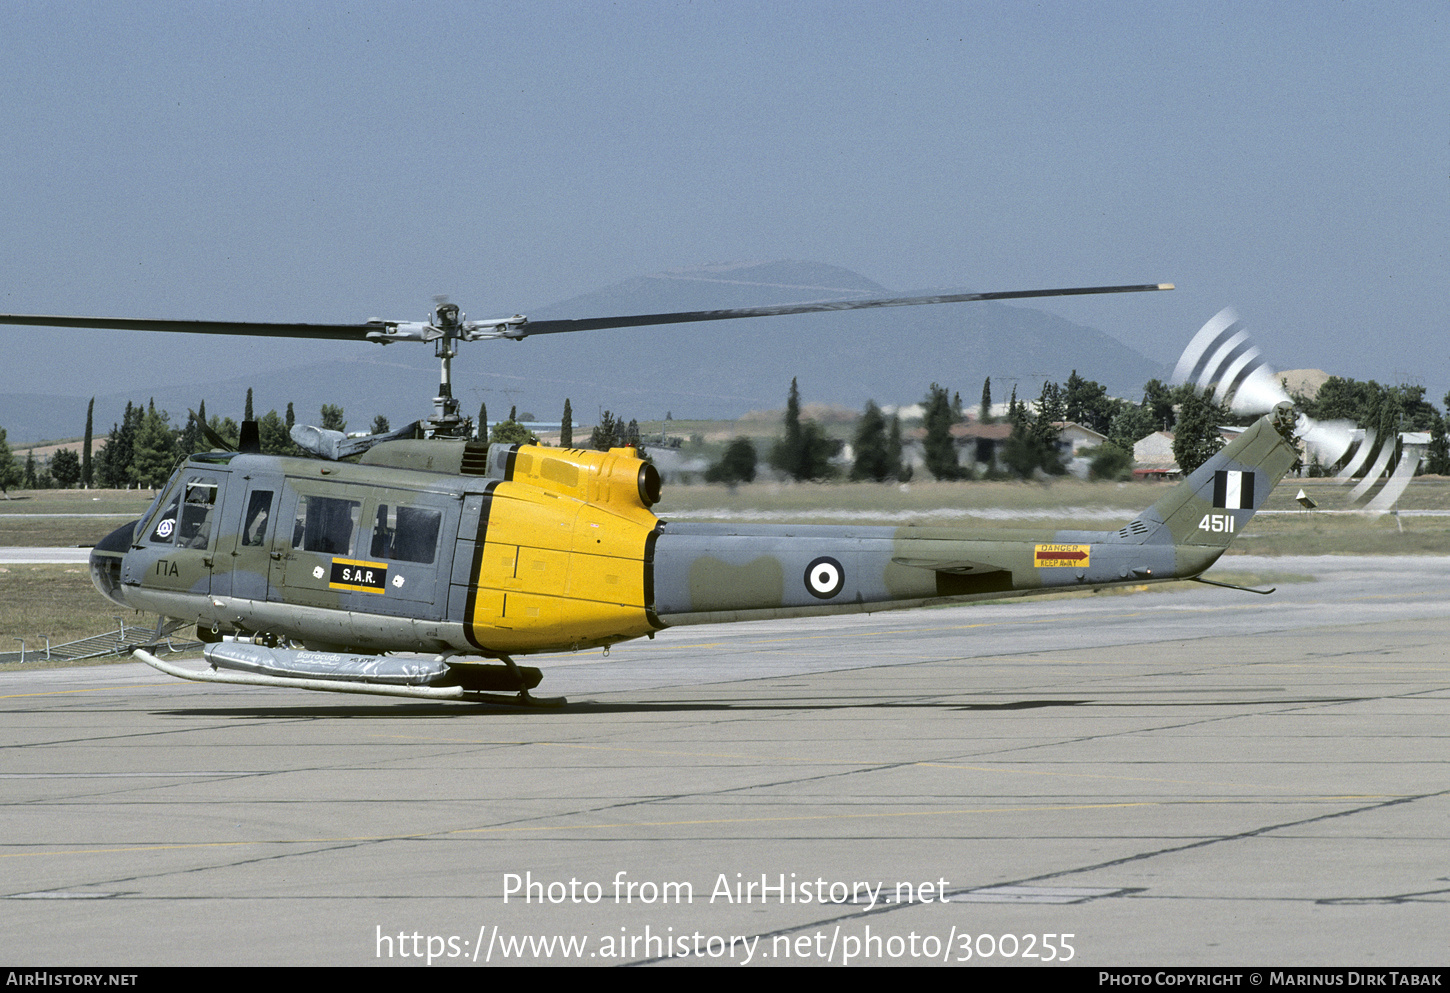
{"x":122,"y":641}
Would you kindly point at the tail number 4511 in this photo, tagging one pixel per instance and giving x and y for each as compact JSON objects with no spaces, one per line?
{"x":1218,"y":523}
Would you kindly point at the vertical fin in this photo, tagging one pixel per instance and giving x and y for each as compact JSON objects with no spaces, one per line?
{"x":1212,"y":506}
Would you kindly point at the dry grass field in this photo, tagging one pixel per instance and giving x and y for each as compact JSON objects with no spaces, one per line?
{"x":58,"y":601}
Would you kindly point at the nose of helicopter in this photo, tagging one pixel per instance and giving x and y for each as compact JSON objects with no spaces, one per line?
{"x":106,"y":559}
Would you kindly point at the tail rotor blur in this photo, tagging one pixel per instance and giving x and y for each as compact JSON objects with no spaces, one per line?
{"x":1223,"y":361}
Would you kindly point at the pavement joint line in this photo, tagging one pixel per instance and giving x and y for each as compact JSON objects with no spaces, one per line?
{"x":697,"y":822}
{"x":863,"y":764}
{"x":88,"y":689}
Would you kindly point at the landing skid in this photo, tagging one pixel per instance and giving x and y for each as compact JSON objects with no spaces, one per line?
{"x":459,"y":693}
{"x":523,"y":699}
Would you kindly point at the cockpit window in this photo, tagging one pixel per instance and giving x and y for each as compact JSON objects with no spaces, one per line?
{"x":406,"y":534}
{"x":194,"y":528}
{"x":186,"y":517}
{"x":325,"y":524}
{"x":161,"y":529}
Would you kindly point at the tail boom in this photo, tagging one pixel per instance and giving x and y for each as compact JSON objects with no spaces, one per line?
{"x":708,"y":573}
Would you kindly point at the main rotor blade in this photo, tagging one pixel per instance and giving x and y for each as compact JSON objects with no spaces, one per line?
{"x":360,"y":332}
{"x":354,"y":332}
{"x":691,"y":316}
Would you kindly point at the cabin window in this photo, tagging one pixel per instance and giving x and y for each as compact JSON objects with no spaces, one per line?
{"x":325,"y":524}
{"x":259,"y":511}
{"x":406,"y":534}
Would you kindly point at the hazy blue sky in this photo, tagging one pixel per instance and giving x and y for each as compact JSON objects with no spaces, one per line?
{"x":318,"y":161}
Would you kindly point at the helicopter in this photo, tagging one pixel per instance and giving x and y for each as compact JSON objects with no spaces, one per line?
{"x":425,"y":562}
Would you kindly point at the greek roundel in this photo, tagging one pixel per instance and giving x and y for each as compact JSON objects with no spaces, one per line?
{"x":825,"y":577}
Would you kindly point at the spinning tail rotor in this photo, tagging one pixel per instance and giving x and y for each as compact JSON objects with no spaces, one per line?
{"x":1223,"y":361}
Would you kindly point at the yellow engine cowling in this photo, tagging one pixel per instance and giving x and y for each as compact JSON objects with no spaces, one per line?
{"x":566,"y":556}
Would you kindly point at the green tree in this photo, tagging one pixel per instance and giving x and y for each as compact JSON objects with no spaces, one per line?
{"x":226,"y":429}
{"x":898,"y":469}
{"x":87,"y":470}
{"x":1108,"y":461}
{"x":247,"y":410}
{"x":985,"y":416}
{"x":607,"y":434}
{"x":1160,"y":399}
{"x":1051,"y":412}
{"x":272,"y":433}
{"x":1025,"y":452}
{"x":10,"y":471}
{"x":1016,"y":410}
{"x":1131,"y":425}
{"x":511,"y":432}
{"x":1033,"y":444}
{"x":1087,"y":403}
{"x":805,"y":452}
{"x":817,"y":450}
{"x":65,"y":467}
{"x":380,"y":425}
{"x":32,"y":478}
{"x":1196,"y":437}
{"x":872,"y":461}
{"x":1385,"y":410}
{"x":154,"y":450}
{"x":940,"y":449}
{"x":191,"y":439}
{"x":332,"y":419}
{"x":788,"y":453}
{"x":116,"y":457}
{"x":483,"y":421}
{"x":736,"y":466}
{"x":566,"y":427}
{"x":1437,"y":456}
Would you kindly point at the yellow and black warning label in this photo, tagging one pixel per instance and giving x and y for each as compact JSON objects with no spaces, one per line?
{"x":1055,"y":555}
{"x":363,"y":577}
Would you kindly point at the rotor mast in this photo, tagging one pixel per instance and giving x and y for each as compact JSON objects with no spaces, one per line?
{"x":446,"y":421}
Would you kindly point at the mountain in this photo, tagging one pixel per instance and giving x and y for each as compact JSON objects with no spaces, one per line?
{"x":714,"y":369}
{"x":891,"y":356}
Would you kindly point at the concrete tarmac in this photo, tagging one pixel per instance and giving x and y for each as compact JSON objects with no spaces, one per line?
{"x":1204,"y":777}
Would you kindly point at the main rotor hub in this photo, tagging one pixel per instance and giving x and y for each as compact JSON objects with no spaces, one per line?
{"x":446,"y":315}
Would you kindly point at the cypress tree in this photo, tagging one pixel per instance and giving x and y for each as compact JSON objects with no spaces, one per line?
{"x":566,"y":429}
{"x":894,"y":465}
{"x":788,"y":454}
{"x":9,"y":471}
{"x":941,"y":451}
{"x":86,"y":470}
{"x":873,"y":459}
